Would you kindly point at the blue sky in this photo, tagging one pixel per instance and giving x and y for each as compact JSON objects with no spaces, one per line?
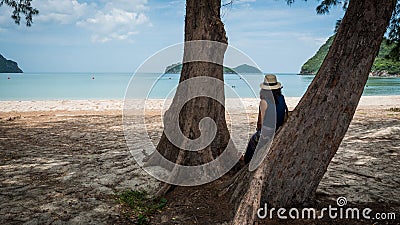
{"x":119,"y":35}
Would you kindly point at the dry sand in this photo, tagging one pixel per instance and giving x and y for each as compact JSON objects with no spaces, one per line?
{"x":62,"y":161}
{"x":373,"y":102}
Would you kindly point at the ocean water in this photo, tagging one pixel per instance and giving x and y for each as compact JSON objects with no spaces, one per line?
{"x":64,"y":86}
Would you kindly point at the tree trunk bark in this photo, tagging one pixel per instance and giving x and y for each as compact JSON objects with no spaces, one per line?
{"x":202,"y":22}
{"x":302,"y":150}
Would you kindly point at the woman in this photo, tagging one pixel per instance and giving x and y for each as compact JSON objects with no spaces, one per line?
{"x":271,"y":113}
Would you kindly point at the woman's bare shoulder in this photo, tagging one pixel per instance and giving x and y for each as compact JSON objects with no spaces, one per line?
{"x":263,"y":104}
{"x":263,"y":101}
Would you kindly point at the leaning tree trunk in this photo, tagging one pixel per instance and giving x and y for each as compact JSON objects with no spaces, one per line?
{"x":202,"y":22}
{"x":302,"y":150}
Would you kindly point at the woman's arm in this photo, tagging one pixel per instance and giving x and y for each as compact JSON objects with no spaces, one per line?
{"x":263,"y":108}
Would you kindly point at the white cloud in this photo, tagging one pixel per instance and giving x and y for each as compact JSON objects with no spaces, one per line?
{"x":5,"y":13}
{"x":116,"y":24}
{"x":106,"y":20}
{"x":243,"y":4}
{"x":244,"y":1}
{"x":116,"y":20}
{"x":129,"y":5}
{"x":316,"y":40}
{"x":61,"y":11}
{"x":237,"y":2}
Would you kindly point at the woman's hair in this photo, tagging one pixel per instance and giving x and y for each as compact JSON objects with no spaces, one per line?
{"x":265,"y":94}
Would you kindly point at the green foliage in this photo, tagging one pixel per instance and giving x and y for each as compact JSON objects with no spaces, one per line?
{"x":394,"y":27}
{"x":312,"y":65}
{"x":383,"y":61}
{"x":141,"y":206}
{"x":393,"y":30}
{"x":176,"y":68}
{"x":394,"y":33}
{"x":21,"y":7}
{"x":382,"y":64}
{"x":337,"y":25}
{"x":325,"y":5}
{"x":246,"y":69}
{"x":8,"y":66}
{"x":228,"y":70}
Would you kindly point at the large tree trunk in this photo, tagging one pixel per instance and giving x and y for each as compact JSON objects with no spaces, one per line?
{"x":301,"y":152}
{"x":202,"y":22}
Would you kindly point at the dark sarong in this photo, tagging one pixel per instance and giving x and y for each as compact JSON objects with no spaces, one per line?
{"x":251,"y":146}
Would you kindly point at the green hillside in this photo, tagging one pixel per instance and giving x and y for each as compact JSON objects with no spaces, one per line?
{"x":383,"y":66}
{"x":8,"y":66}
{"x":177,"y":67}
{"x":246,"y":69}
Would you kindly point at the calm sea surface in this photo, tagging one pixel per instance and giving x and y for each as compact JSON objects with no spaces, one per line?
{"x":61,"y":86}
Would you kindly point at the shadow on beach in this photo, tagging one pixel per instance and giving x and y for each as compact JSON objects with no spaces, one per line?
{"x":65,"y":167}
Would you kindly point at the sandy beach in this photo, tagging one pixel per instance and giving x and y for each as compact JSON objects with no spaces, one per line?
{"x":372,"y":102}
{"x":62,"y":161}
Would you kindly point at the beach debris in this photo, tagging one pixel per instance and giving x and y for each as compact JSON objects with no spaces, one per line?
{"x":394,"y":109}
{"x":12,"y":118}
{"x":361,"y":174}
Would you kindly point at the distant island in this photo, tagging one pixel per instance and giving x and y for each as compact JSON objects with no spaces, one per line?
{"x":177,"y":68}
{"x":382,"y":67}
{"x":8,"y":66}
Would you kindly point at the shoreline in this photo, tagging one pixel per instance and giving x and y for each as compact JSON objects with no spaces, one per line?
{"x":366,"y":102}
{"x":375,"y":74}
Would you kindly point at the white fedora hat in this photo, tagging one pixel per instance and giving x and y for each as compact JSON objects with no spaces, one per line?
{"x":270,"y":83}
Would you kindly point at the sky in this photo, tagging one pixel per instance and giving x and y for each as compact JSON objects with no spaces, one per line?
{"x":118,"y":36}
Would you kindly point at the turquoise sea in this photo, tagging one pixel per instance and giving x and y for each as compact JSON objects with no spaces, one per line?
{"x":62,"y":86}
